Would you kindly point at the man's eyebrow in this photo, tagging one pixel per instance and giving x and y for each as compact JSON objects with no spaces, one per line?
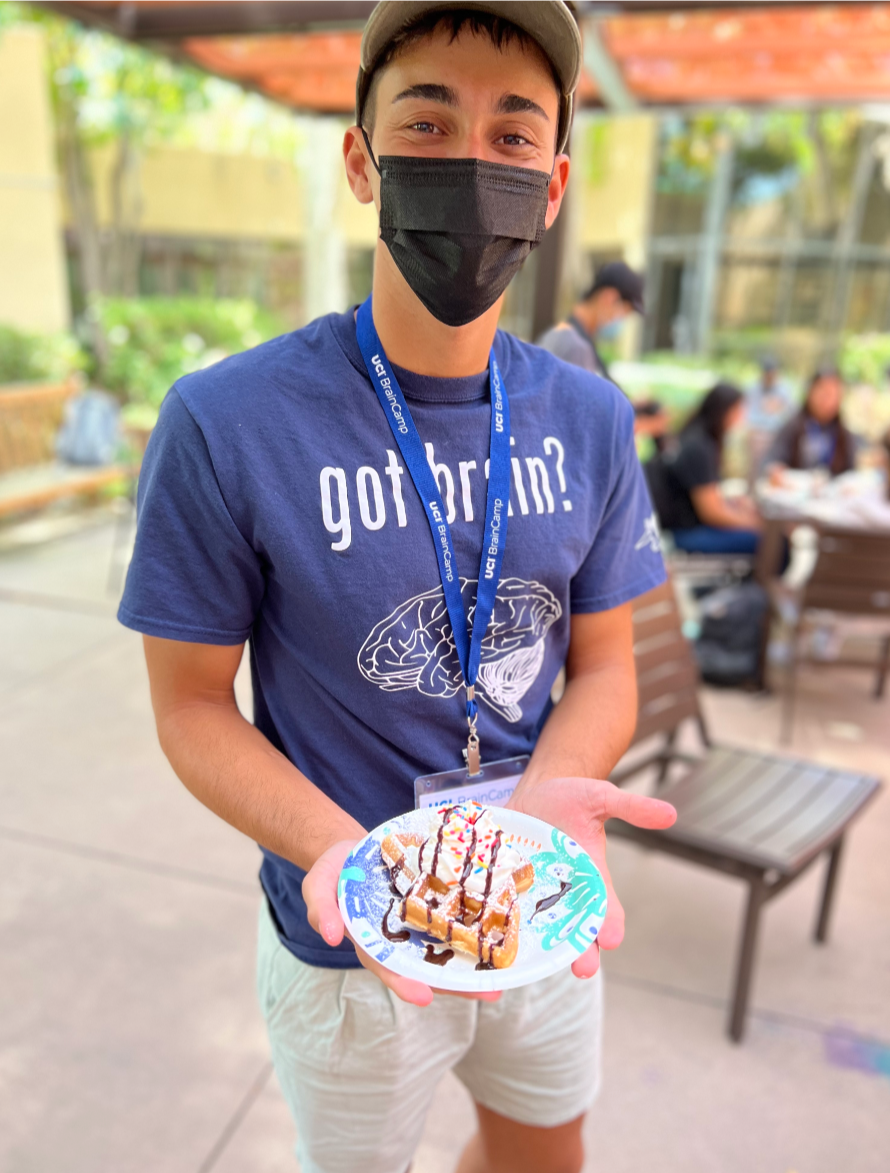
{"x":516,"y":104}
{"x":430,"y":93}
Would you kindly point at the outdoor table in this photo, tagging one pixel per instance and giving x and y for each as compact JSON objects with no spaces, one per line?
{"x":855,"y":500}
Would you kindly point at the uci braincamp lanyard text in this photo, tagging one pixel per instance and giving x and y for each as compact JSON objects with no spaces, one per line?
{"x":468,"y":645}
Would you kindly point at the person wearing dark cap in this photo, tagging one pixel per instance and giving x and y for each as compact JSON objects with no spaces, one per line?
{"x":345,"y":497}
{"x":616,"y":292}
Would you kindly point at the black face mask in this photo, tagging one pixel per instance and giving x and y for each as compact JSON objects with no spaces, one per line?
{"x":459,"y":229}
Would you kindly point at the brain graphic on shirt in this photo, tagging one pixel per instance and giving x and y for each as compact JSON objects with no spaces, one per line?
{"x":413,"y":648}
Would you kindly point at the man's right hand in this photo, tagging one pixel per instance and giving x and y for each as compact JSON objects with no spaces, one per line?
{"x":320,"y":894}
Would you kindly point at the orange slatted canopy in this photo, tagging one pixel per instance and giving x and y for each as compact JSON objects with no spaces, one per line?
{"x":306,"y":55}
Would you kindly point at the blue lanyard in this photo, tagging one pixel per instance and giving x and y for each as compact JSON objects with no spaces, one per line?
{"x":468,"y":646}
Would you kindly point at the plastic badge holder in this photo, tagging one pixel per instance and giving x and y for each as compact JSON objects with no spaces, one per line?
{"x":492,"y":786}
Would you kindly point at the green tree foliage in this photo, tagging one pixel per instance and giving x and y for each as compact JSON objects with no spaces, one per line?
{"x":820,"y":143}
{"x":112,"y":96}
{"x":106,"y":92}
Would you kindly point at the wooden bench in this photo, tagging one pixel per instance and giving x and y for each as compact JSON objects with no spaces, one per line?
{"x":30,"y":476}
{"x":760,"y":817}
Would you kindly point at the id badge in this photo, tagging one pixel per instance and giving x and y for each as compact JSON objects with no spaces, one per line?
{"x":492,"y":786}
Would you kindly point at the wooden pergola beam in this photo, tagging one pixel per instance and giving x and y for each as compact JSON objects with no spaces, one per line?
{"x":172,"y":21}
{"x":154,"y":21}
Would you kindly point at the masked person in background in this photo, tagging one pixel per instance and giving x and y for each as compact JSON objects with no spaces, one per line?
{"x":286,"y":498}
{"x":597,"y":317}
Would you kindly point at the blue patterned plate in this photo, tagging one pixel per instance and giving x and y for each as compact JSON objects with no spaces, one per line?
{"x":553,"y":933}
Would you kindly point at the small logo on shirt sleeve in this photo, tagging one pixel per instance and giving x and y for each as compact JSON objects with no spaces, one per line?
{"x":650,"y":538}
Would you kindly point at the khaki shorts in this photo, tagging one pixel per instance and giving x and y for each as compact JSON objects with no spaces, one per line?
{"x":359,"y":1068}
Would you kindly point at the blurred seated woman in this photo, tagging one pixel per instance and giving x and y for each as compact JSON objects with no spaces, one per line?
{"x":815,"y":437}
{"x":685,"y":482}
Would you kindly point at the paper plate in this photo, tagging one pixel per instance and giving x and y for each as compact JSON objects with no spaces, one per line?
{"x":550,"y":939}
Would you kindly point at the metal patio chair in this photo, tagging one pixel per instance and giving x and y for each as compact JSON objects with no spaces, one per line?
{"x":851,"y":576}
{"x":760,"y":817}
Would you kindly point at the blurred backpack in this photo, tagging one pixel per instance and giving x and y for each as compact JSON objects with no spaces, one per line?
{"x":90,"y":432}
{"x":732,"y":620}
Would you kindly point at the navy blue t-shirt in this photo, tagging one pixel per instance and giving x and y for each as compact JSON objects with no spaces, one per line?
{"x":274,"y":506}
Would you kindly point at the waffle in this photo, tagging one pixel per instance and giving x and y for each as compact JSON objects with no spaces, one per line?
{"x":454,"y":889}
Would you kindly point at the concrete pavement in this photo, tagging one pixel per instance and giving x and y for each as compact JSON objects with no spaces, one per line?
{"x":130,"y":1039}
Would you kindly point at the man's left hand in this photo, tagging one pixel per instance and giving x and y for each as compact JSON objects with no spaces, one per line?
{"x":580,"y":807}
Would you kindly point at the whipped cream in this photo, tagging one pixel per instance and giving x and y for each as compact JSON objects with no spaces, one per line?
{"x":464,"y":840}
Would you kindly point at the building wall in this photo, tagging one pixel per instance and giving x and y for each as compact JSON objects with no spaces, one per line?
{"x":33,"y":280}
{"x":187,"y":192}
{"x":613,"y":159}
{"x":302,"y":209}
{"x":192,"y":193}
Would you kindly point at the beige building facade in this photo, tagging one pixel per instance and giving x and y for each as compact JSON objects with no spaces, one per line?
{"x":614,"y":160}
{"x":187,"y":192}
{"x":33,"y":277}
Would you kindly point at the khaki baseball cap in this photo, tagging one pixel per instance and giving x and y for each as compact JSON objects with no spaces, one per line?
{"x":549,"y":23}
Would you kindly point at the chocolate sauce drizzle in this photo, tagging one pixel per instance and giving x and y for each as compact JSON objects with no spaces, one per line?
{"x":395,"y":871}
{"x":495,"y":848}
{"x":404,"y":935}
{"x":550,"y":900}
{"x":434,"y":958}
{"x":468,"y":860}
{"x":446,"y":815}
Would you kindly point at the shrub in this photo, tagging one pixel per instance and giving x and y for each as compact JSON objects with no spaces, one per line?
{"x":26,"y":357}
{"x":865,"y":357}
{"x":152,"y":341}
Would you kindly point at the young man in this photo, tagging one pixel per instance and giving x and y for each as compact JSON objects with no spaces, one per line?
{"x":277,"y":504}
{"x":616,"y":292}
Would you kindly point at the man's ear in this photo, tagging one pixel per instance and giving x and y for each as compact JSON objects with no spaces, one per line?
{"x":558,"y":181}
{"x":359,"y":167}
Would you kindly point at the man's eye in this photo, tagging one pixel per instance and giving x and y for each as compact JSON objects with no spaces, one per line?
{"x":514,"y":140}
{"x":425,"y":127}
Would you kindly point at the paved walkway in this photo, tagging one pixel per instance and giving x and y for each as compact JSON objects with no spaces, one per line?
{"x":130,"y":1041}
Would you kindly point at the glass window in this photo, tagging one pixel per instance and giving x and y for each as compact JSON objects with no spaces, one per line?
{"x":869,"y":299}
{"x":811,"y":280}
{"x":747,"y":293}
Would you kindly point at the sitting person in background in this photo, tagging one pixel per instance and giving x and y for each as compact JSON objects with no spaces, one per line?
{"x":769,"y":401}
{"x":597,"y":316}
{"x":685,"y":482}
{"x":816,"y":437}
{"x":768,"y":405}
